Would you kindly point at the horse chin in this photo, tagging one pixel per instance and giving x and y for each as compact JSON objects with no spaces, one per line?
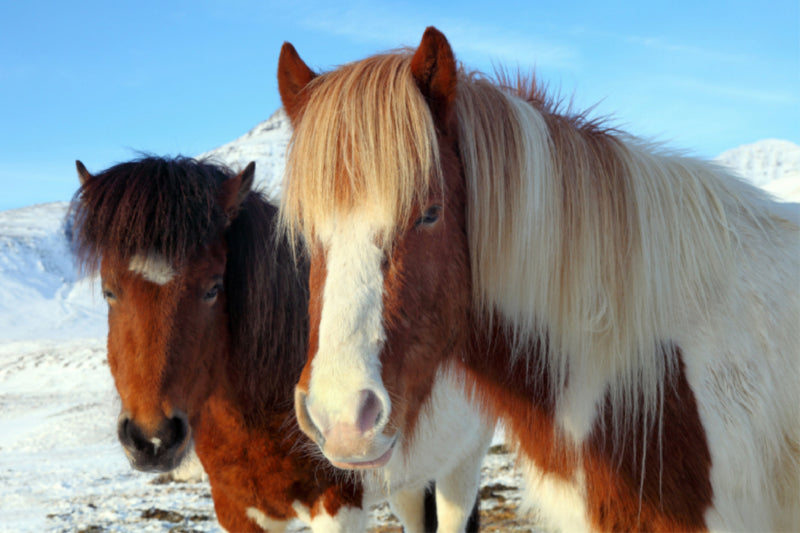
{"x":380,"y":457}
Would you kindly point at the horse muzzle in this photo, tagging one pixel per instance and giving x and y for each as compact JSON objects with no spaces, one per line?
{"x":361,"y":444}
{"x":158,"y":450}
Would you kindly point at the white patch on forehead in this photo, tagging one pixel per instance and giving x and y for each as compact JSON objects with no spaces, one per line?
{"x":152,"y":267}
{"x":351,"y":333}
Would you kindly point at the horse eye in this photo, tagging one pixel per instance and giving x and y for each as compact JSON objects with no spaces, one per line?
{"x":430,"y":216}
{"x":109,"y":296}
{"x":212,"y":293}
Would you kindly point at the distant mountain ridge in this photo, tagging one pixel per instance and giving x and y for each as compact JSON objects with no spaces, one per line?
{"x":764,"y":161}
{"x":771,"y":164}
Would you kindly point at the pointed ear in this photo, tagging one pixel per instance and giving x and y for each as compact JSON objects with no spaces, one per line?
{"x":83,"y":174}
{"x":236,"y":189}
{"x":434,"y":69}
{"x":293,"y":76}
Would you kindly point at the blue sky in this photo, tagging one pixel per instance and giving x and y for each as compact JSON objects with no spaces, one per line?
{"x":100,"y":81}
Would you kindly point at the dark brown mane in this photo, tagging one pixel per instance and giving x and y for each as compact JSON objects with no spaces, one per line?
{"x":133,"y":207}
{"x":267,"y":308}
{"x":171,"y":207}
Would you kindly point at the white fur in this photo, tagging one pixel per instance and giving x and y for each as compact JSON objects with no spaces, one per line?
{"x":448,"y":447}
{"x":152,"y":267}
{"x":745,"y":374}
{"x":189,"y":470}
{"x":409,"y":507}
{"x":347,"y":519}
{"x":264,"y":522}
{"x":562,"y":503}
{"x":351,"y":332}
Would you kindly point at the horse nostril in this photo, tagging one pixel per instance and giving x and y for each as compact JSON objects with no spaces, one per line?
{"x":369,"y":412}
{"x":176,"y":431}
{"x":131,"y":436}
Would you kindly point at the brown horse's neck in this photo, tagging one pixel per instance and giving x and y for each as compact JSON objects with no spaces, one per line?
{"x":650,"y":475}
{"x":236,"y":389}
{"x":267,"y":293}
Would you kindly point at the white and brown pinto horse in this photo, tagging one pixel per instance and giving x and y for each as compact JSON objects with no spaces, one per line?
{"x":632,"y":316}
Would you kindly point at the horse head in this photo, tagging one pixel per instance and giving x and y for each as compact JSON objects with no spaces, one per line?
{"x":382,"y":212}
{"x":167,"y":314}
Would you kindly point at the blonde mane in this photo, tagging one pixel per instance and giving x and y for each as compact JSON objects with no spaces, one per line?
{"x":372,"y":144}
{"x":578,"y":235}
{"x":594,"y":241}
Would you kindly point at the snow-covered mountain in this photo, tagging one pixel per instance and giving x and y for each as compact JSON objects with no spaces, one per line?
{"x":266,"y":145}
{"x":764,"y":162}
{"x":771,"y":164}
{"x":61,"y":467}
{"x":40,"y":293}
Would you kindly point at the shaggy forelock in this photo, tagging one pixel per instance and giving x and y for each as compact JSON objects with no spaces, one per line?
{"x":132,"y":208}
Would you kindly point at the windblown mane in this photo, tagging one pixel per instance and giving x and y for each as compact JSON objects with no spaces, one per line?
{"x":593,"y":244}
{"x":170,"y":207}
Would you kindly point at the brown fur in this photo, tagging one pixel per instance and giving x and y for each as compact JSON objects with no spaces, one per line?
{"x":228,"y":364}
{"x":661,"y":485}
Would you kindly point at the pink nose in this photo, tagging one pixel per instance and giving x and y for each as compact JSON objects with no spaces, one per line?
{"x":348,"y":432}
{"x":368,"y":412}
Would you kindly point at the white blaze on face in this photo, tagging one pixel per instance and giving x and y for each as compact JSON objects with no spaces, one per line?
{"x":152,"y":267}
{"x":351,"y":332}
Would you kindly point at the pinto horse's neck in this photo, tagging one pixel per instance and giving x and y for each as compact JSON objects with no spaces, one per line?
{"x":653,"y":477}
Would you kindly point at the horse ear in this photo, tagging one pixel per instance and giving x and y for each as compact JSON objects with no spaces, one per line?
{"x":434,"y":69}
{"x":293,"y":76}
{"x":83,"y":174}
{"x":235,"y":190}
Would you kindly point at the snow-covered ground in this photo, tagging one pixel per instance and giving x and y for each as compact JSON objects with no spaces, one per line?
{"x":61,"y":468}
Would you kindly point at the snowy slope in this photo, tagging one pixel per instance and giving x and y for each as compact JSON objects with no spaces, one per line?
{"x":40,"y":295}
{"x":61,"y":468}
{"x":771,"y":164}
{"x":266,"y":145}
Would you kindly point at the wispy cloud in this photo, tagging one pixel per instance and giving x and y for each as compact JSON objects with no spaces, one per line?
{"x":696,"y":52}
{"x":474,"y":43}
{"x":659,"y":43}
{"x":738,"y":93}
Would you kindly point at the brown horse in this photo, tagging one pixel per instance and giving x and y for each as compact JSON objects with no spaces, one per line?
{"x":632,"y":316}
{"x":206,"y":316}
{"x":207,"y":337}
